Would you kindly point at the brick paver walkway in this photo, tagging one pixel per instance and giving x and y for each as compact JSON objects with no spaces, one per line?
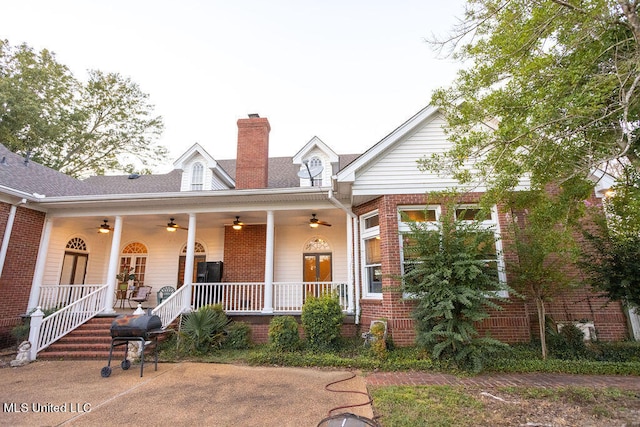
{"x":503,"y":380}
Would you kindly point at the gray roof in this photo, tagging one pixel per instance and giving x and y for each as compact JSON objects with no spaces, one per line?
{"x":31,"y":177}
{"x":131,"y":184}
{"x":282,"y":174}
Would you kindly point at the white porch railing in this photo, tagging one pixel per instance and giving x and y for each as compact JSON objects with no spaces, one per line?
{"x":234,"y":297}
{"x":248,"y":298}
{"x":58,"y":296}
{"x":171,"y":307}
{"x":290,"y":296}
{"x":47,"y":330}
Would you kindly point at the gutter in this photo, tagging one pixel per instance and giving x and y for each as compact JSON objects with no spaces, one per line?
{"x":7,"y":233}
{"x":354,"y":246}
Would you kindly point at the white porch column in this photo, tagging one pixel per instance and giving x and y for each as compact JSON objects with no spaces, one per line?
{"x":350,"y":296}
{"x":114,"y":264}
{"x":38,"y":274}
{"x":268,"y":265}
{"x":356,"y":265}
{"x":188,"y":264}
{"x":7,"y":234}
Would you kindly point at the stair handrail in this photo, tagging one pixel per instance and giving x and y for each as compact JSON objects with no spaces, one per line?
{"x":46,"y":330}
{"x":172,"y":307}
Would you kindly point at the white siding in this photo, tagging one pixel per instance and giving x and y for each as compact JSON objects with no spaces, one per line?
{"x":396,"y":171}
{"x":290,"y":243}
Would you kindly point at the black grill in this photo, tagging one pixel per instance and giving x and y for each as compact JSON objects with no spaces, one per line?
{"x":133,"y":327}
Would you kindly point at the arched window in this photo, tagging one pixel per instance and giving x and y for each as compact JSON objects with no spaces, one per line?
{"x":197,"y":176}
{"x":77,"y":244}
{"x":134,"y":261}
{"x":316,"y":163}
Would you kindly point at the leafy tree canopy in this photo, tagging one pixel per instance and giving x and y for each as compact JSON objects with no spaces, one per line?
{"x":550,"y":88}
{"x":79,"y":128}
{"x":610,"y":258}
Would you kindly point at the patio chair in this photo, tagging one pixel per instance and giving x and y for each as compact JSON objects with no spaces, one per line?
{"x":164,"y":293}
{"x":140,"y":295}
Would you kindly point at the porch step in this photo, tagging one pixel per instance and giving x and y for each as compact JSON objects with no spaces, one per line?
{"x":90,"y":341}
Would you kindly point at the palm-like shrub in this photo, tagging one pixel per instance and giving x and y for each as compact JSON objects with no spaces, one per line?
{"x":204,"y":329}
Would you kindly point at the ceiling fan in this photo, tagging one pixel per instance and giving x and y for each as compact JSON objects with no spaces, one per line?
{"x":314,"y":222}
{"x":105,"y":227}
{"x":172,"y":226}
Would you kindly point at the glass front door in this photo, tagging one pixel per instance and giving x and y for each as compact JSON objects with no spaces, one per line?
{"x":317,"y":268}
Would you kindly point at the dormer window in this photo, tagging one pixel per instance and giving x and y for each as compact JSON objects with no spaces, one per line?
{"x":316,"y":164}
{"x":197,"y":177}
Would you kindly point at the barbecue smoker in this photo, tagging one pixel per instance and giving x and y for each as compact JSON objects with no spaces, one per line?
{"x":130,"y":327}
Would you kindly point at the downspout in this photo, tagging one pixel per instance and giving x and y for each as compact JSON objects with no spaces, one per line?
{"x":352,"y":242}
{"x":7,"y":233}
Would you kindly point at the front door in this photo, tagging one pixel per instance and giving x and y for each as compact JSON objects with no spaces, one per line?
{"x":74,"y":268}
{"x":317,"y":268}
{"x":181,"y":263}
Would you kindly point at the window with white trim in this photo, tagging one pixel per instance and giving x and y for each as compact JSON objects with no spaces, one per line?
{"x":371,"y":254}
{"x":429,"y":216}
{"x":492,"y":251}
{"x":197,"y":176}
{"x":315,"y":162}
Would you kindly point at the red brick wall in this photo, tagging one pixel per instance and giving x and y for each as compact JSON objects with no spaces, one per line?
{"x":17,"y":275}
{"x":260,"y":327}
{"x":253,"y":153}
{"x":244,"y":254}
{"x":517,"y":322}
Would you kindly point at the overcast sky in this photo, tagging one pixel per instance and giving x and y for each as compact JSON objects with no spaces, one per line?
{"x":348,"y":72}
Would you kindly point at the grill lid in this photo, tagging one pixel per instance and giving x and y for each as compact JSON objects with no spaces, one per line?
{"x":135,"y":325}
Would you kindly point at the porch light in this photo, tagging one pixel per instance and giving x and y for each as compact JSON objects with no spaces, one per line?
{"x":171,"y":226}
{"x":237,"y":225}
{"x":104,"y":227}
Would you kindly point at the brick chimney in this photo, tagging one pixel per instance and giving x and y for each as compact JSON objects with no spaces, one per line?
{"x":252,"y":159}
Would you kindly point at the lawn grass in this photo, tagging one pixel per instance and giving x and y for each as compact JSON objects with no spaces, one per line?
{"x":459,"y":406}
{"x":353,"y":355}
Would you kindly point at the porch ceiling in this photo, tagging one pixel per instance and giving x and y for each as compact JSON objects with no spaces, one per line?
{"x":155,"y":222}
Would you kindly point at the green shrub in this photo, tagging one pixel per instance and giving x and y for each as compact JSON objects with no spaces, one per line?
{"x":322,"y":319}
{"x":283,"y":333}
{"x":238,"y":336}
{"x":21,"y":332}
{"x":379,"y":344}
{"x":568,"y":344}
{"x":449,"y":281}
{"x":204,"y":329}
{"x":624,"y":351}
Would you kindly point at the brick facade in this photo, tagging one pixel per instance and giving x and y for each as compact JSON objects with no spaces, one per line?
{"x":517,"y":322}
{"x":244,"y":253}
{"x":18,"y":271}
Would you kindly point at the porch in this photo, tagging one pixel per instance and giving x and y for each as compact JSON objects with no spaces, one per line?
{"x":73,"y":305}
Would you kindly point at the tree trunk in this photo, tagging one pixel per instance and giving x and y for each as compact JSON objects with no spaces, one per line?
{"x":542,"y":326}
